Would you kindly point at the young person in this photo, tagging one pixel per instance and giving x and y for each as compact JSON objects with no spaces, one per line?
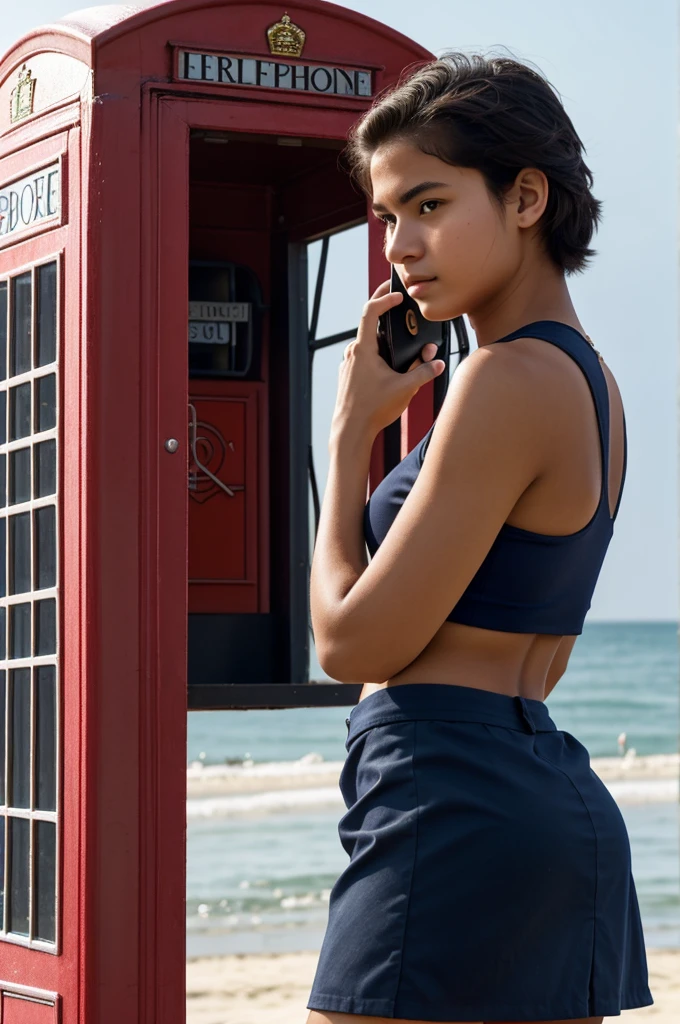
{"x":490,"y":875}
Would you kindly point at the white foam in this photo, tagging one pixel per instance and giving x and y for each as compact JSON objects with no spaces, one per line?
{"x":644,"y":791}
{"x":268,"y":802}
{"x":629,"y":791}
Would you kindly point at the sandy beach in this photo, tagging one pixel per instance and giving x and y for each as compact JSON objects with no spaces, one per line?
{"x":274,"y":988}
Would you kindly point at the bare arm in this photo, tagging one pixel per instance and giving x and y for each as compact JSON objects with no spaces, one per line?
{"x":371,"y":620}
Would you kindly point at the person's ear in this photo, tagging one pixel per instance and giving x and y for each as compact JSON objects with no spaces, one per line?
{"x":529,"y":196}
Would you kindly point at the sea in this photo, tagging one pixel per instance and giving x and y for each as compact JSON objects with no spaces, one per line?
{"x":260,"y":866}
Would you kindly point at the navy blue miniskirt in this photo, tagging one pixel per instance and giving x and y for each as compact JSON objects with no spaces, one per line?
{"x":490,"y":874}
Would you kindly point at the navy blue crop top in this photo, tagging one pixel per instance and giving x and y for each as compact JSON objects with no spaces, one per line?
{"x":528,"y":582}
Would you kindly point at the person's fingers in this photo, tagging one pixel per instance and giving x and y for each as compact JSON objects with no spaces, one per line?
{"x":382,"y":289}
{"x":428,"y":371}
{"x":429,"y":351}
{"x":372,"y":310}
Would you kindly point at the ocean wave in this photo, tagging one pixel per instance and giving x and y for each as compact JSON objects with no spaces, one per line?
{"x":626,"y":791}
{"x":267,"y":802}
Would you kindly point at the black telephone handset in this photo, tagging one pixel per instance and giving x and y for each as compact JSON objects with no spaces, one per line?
{"x":403,"y":330}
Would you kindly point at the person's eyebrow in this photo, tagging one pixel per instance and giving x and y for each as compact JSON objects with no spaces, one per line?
{"x":410,"y":194}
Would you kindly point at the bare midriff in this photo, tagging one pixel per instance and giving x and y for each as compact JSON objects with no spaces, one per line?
{"x":515,"y":664}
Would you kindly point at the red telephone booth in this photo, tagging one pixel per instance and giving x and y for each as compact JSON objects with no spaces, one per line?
{"x":163,"y":170}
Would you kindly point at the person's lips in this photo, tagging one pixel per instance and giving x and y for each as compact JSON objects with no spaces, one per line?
{"x":418,"y":287}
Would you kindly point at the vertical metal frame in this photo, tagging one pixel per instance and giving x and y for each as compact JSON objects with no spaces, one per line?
{"x":300,"y":428}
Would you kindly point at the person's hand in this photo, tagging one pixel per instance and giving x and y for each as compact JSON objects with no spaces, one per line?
{"x":371,"y":395}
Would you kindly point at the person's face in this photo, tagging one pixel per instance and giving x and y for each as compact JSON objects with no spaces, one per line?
{"x":452,"y":231}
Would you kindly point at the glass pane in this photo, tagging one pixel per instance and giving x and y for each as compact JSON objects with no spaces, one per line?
{"x":19,"y":840}
{"x":20,"y":630}
{"x":20,"y":411}
{"x":46,"y":738}
{"x":20,"y":349}
{"x":3,"y":718}
{"x":45,"y":880}
{"x":19,"y":476}
{"x":47,"y":314}
{"x":3,"y":557}
{"x":45,"y":469}
{"x":324,"y":384}
{"x":46,"y":402}
{"x":20,"y":553}
{"x":3,"y":632}
{"x":20,"y":737}
{"x":3,"y":417}
{"x":45,"y":641}
{"x":3,"y":340}
{"x":3,"y":489}
{"x":45,"y":547}
{"x":345,"y":288}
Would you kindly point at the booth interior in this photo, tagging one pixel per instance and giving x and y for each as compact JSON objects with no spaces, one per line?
{"x":256,"y":204}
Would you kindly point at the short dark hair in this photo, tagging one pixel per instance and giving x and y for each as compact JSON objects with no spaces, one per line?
{"x":498,"y":116}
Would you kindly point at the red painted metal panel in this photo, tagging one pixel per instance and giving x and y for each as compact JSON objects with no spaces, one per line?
{"x":21,"y":1010}
{"x":223,"y":529}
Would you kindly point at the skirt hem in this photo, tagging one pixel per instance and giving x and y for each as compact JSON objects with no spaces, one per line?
{"x":386,"y":1008}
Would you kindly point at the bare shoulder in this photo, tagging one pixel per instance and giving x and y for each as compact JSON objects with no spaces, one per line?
{"x":497,"y":396}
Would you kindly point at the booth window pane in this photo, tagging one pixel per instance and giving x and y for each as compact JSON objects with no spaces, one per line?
{"x":20,"y":631}
{"x":46,"y":402}
{"x":45,"y":880}
{"x":45,"y":627}
{"x":3,"y":338}
{"x":29,"y":695}
{"x":20,"y":411}
{"x":20,"y":350}
{"x":45,"y":469}
{"x":46,"y":737}
{"x":47,"y":314}
{"x":45,"y":547}
{"x":3,"y":726}
{"x":19,"y":476}
{"x":19,"y":846}
{"x":20,"y":553}
{"x":20,"y":737}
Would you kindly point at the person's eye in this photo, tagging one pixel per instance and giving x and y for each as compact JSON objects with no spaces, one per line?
{"x":430,"y":202}
{"x":386,"y":218}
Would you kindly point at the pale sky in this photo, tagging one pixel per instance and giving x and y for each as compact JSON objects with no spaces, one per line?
{"x":614,"y":63}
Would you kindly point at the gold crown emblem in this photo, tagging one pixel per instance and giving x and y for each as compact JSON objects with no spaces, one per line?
{"x":286,"y":38}
{"x":21,"y":97}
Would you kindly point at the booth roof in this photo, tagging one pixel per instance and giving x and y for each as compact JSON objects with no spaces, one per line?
{"x":87,"y":23}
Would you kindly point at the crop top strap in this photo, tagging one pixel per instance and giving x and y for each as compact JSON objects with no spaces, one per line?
{"x":581,"y":351}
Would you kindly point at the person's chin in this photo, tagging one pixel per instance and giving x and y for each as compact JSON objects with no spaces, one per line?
{"x":435,"y":310}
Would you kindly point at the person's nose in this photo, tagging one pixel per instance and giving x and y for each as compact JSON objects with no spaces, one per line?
{"x":402,"y":243}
